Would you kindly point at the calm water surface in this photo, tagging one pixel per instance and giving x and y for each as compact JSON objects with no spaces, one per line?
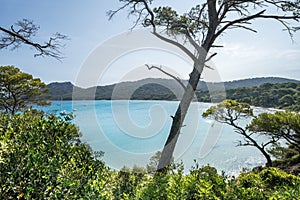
{"x":130,"y":132}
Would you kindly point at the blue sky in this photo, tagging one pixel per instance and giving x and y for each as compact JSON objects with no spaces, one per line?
{"x":269,"y":52}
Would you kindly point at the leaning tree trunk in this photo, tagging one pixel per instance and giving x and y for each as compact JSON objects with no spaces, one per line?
{"x":167,"y":153}
{"x":178,"y":119}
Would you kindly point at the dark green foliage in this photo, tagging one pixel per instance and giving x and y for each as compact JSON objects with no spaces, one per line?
{"x":283,"y":95}
{"x":129,"y":182}
{"x":42,"y":157}
{"x":256,"y":82}
{"x":229,"y":111}
{"x":153,"y":92}
{"x":60,"y":91}
{"x":157,"y":188}
{"x":270,"y":183}
{"x":286,"y":127}
{"x":205,"y":183}
{"x":19,"y":90}
{"x":163,"y":89}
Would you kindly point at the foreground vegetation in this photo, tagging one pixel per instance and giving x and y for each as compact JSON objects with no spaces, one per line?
{"x":42,"y":157}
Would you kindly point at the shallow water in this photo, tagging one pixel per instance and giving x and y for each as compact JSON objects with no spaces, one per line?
{"x":130,"y":132}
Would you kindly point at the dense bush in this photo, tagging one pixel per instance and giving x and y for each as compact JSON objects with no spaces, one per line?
{"x":206,"y":183}
{"x":42,"y":157}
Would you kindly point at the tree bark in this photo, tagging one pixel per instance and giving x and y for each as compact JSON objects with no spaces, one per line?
{"x":178,"y":119}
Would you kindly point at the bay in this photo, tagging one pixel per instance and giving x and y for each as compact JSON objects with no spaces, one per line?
{"x":130,"y":132}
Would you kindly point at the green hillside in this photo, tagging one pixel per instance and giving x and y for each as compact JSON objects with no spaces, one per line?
{"x":265,"y":92}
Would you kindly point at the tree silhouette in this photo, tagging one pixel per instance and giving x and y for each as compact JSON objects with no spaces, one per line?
{"x":22,"y":33}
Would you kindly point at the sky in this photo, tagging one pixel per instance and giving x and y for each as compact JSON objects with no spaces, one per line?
{"x":270,"y":52}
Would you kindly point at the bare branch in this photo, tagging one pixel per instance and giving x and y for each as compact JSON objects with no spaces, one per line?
{"x":210,"y":57}
{"x":243,"y":27}
{"x":284,"y":23}
{"x":217,"y":46}
{"x":168,"y":74}
{"x":238,"y":21}
{"x":180,"y":46}
{"x":187,"y":34}
{"x":272,"y":141}
{"x":209,"y":67}
{"x":247,"y":143}
{"x":26,"y":29}
{"x":241,"y":7}
{"x":112,"y":13}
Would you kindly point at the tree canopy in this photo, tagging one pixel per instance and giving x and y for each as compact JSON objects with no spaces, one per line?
{"x":281,"y":131}
{"x":284,"y":125}
{"x":230,"y":112}
{"x":19,"y":90}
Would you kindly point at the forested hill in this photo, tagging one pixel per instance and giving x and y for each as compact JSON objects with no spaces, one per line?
{"x":59,"y":91}
{"x":252,"y":82}
{"x":151,"y":88}
{"x":279,"y":95}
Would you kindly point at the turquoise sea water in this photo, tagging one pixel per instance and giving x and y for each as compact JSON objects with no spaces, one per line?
{"x":130,"y":132}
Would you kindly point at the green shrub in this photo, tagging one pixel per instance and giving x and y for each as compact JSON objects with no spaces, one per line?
{"x":42,"y":157}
